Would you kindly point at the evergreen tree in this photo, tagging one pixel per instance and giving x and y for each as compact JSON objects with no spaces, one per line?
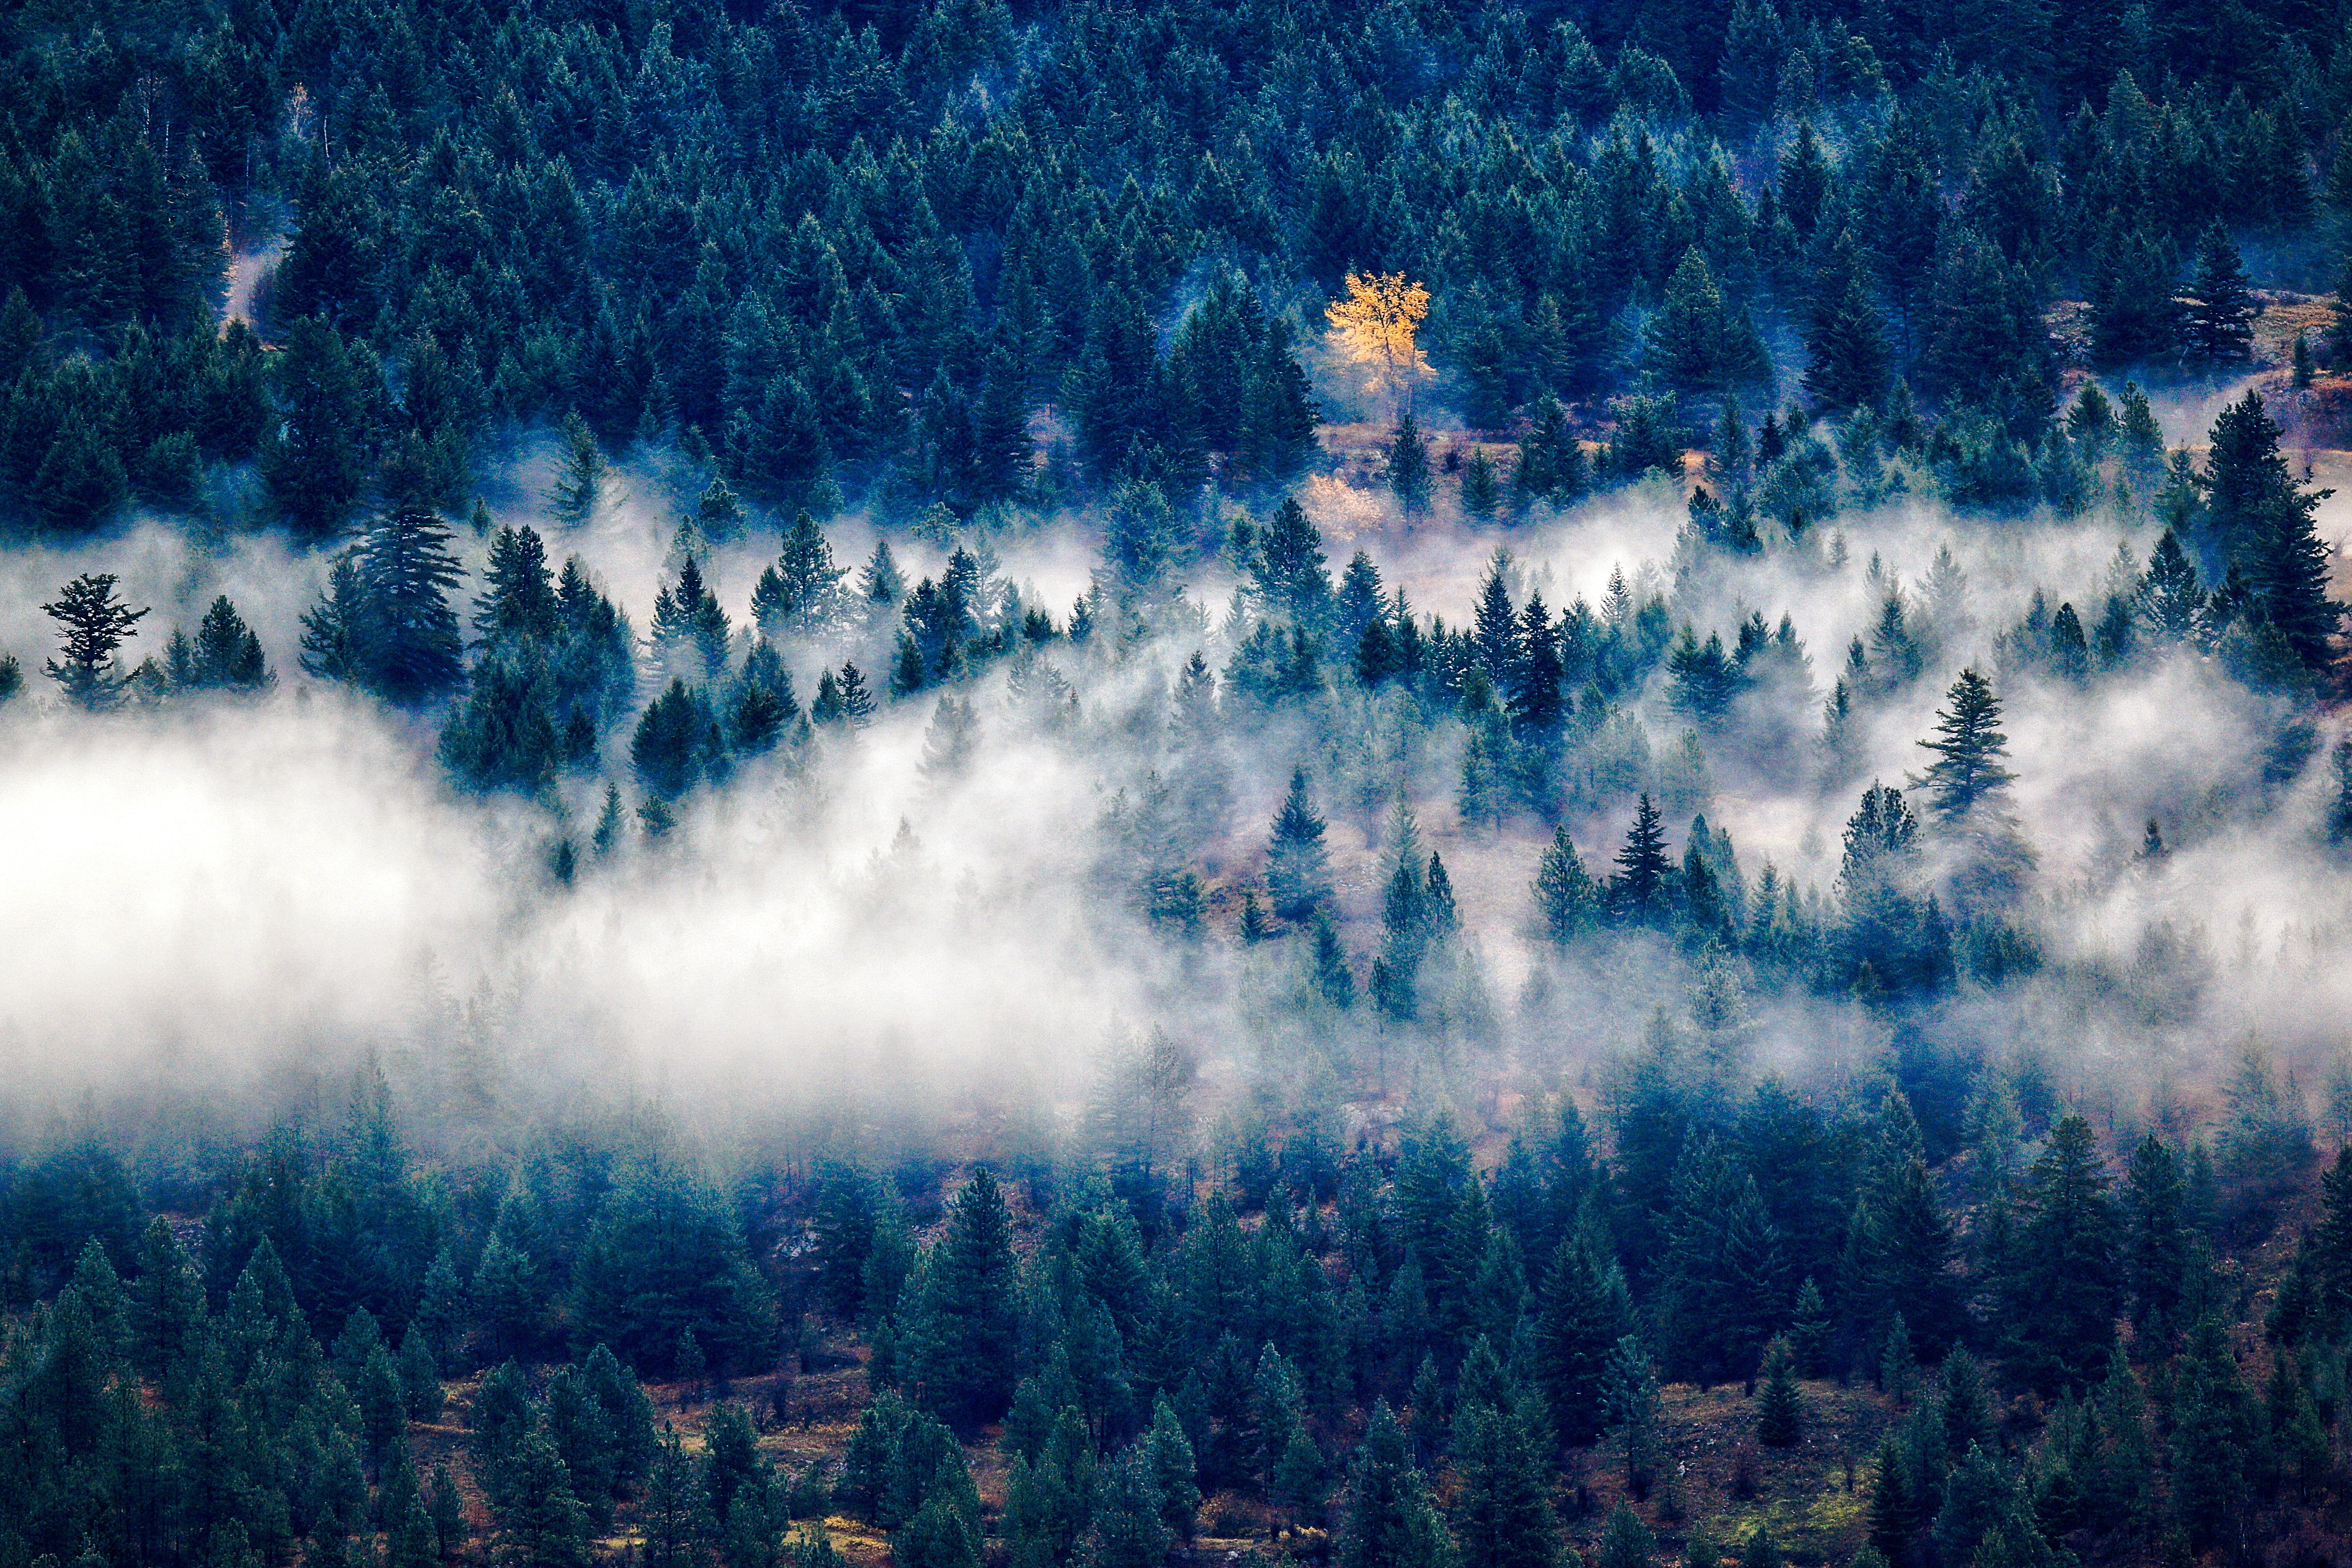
{"x":1638,"y":893}
{"x":1389,"y":1519}
{"x":93,"y":625}
{"x":1551,"y":466}
{"x":2216,"y":1442}
{"x":1127,"y":1530}
{"x":1410,"y":478}
{"x":963,"y":1354}
{"x":1780,"y":1408}
{"x":678,"y":742}
{"x":224,"y":655}
{"x":1698,"y":342}
{"x":1482,"y":490}
{"x":1626,"y":1541}
{"x":1289,"y":568}
{"x":2062,"y":1302}
{"x":1502,"y":1506}
{"x":580,"y":483}
{"x":2218,"y":322}
{"x":1578,"y":1326}
{"x":518,"y":599}
{"x":1845,"y":344}
{"x":2263,"y":523}
{"x":403,"y":635}
{"x":2171,"y":601}
{"x":1967,"y":775}
{"x":1297,"y":878}
{"x":315,"y":460}
{"x":1567,"y":900}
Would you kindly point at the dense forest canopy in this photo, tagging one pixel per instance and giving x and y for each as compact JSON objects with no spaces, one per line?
{"x":1415,"y":786}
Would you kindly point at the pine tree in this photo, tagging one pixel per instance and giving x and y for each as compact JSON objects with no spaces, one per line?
{"x":314,"y":460}
{"x":1626,"y":1541}
{"x":1410,"y":478}
{"x":1967,"y":773}
{"x":2263,"y":520}
{"x":1174,"y":1473}
{"x":1567,"y":900}
{"x":854,"y":701}
{"x":224,"y":655}
{"x":963,"y":1355}
{"x":2171,"y":601}
{"x":2216,"y":1442}
{"x":539,"y":1521}
{"x":2062,"y":1304}
{"x":579,"y":484}
{"x":1551,"y":467}
{"x":690,"y":630}
{"x":1502,"y":1506}
{"x":802,"y":592}
{"x":951,"y":742}
{"x":676,"y":742}
{"x":1390,"y":1521}
{"x":1845,"y":343}
{"x":1289,"y":568}
{"x":93,"y":623}
{"x":1780,"y":1407}
{"x":1334,"y":980}
{"x":2218,"y":324}
{"x":1697,"y":342}
{"x":1578,"y":1326}
{"x":1482,"y":490}
{"x":1638,"y":893}
{"x":1297,"y":876}
{"x":405,"y":639}
{"x":518,"y":599}
{"x":1127,"y":1530}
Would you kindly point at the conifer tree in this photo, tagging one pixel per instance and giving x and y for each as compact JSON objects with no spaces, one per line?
{"x":1577,"y":1327}
{"x":968,"y":1320}
{"x":2218,"y":324}
{"x":93,"y":625}
{"x":2061,"y":1304}
{"x":1410,"y":477}
{"x":315,"y":460}
{"x":1389,"y":1521}
{"x":2217,"y":1440}
{"x":1638,"y":893}
{"x":1567,"y":900}
{"x":1298,"y":876}
{"x":2171,"y":601}
{"x":580,"y":483}
{"x":1780,"y":1407}
{"x":1845,"y":343}
{"x":1482,"y":491}
{"x":1289,"y":568}
{"x":1698,"y":342}
{"x":1502,"y":1507}
{"x":1174,"y":1473}
{"x":224,"y":655}
{"x":2263,"y":522}
{"x":1551,"y":466}
{"x":1967,"y":775}
{"x":404,"y":640}
{"x":1128,"y":1529}
{"x":1626,"y":1541}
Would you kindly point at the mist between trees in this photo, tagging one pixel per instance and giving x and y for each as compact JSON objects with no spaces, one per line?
{"x":963,"y":783}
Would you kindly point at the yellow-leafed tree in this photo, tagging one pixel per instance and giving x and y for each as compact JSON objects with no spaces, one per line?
{"x":1374,"y":327}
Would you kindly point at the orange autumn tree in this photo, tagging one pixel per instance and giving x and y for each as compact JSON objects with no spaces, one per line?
{"x":1374,"y":328}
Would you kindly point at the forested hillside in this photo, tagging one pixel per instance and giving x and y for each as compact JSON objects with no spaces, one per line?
{"x":1424,"y":785}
